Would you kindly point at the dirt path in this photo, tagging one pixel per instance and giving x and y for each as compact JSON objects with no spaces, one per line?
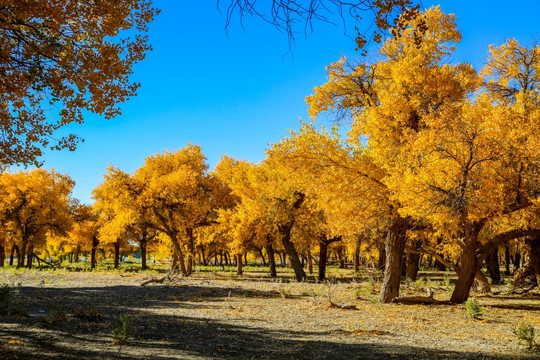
{"x":71,"y":316}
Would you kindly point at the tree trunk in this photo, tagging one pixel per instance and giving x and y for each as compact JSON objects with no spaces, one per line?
{"x":483,"y":282}
{"x":467,"y":273}
{"x":2,"y":255}
{"x":281,"y":258}
{"x":117,"y":254}
{"x":30,"y":256}
{"x":239,"y":270}
{"x":93,"y":260}
{"x":271,"y":260}
{"x":357,"y":253}
{"x":309,"y":262}
{"x":517,"y":259}
{"x":382,"y":256}
{"x":323,"y":258}
{"x":245,"y":258}
{"x":534,"y":255}
{"x":262,"y":256}
{"x":394,"y":248}
{"x":77,"y":253}
{"x":142,"y":247}
{"x":492,"y":262}
{"x":204,"y":260}
{"x":413,"y":265}
{"x":439,"y":266}
{"x":191,"y":252}
{"x":22,"y":254}
{"x":507,"y":260}
{"x":178,"y":254}
{"x":341,"y":257}
{"x":14,"y":250}
{"x":285,"y":234}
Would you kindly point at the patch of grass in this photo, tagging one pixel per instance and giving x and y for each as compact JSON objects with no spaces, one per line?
{"x":89,"y":313}
{"x":7,"y":305}
{"x":54,"y":313}
{"x":474,"y":310}
{"x":123,"y":332}
{"x":285,"y":293}
{"x":525,"y":334}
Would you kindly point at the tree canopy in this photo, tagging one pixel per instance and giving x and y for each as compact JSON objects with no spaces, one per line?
{"x":59,"y":59}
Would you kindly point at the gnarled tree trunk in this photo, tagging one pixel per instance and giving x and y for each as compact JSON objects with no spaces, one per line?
{"x":191,"y":251}
{"x":467,"y":272}
{"x":323,"y":258}
{"x":239,"y":269}
{"x":293,"y":255}
{"x":2,"y":255}
{"x":357,"y":253}
{"x":492,"y":262}
{"x":30,"y":256}
{"x":309,"y":261}
{"x":394,"y":248}
{"x":413,"y":264}
{"x":117,"y":254}
{"x":271,"y":259}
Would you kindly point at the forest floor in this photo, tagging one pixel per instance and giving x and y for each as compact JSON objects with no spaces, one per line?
{"x":215,"y":315}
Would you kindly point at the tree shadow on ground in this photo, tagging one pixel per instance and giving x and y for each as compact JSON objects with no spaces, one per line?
{"x":173,"y":336}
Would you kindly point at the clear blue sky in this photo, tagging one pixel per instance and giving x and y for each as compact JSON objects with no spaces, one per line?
{"x":233,"y":93}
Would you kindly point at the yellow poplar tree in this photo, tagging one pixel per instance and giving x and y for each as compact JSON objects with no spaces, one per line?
{"x":32,"y":203}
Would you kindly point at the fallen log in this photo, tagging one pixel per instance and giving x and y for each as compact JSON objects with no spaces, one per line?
{"x":411,"y":300}
{"x":171,"y":276}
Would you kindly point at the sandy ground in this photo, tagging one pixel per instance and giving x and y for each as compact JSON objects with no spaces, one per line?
{"x":71,"y":315}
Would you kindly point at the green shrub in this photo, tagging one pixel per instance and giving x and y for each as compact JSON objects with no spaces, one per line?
{"x":525,"y":334}
{"x":5,"y":299}
{"x":123,"y":332}
{"x":7,"y":305}
{"x":474,"y":310}
{"x":54,"y":313}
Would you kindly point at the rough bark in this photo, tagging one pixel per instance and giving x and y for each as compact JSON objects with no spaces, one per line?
{"x":507,"y":260}
{"x":309,"y":262}
{"x":517,"y":259}
{"x":357,"y":253}
{"x":14,"y":251}
{"x":2,"y":255}
{"x":117,"y":254}
{"x":30,"y":256}
{"x":239,"y":269}
{"x":523,"y":275}
{"x":483,"y":283}
{"x":203,"y":256}
{"x":533,"y":245}
{"x":293,"y":255}
{"x":394,"y":248}
{"x":93,"y":260}
{"x":22,"y":254}
{"x":382,"y":256}
{"x":191,"y":252}
{"x":467,"y":272}
{"x":142,"y":247}
{"x":284,"y":231}
{"x":262,"y":256}
{"x":271,"y":260}
{"x":323,"y":258}
{"x":77,"y":253}
{"x":492,"y":262}
{"x":341,"y":257}
{"x":413,"y":265}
